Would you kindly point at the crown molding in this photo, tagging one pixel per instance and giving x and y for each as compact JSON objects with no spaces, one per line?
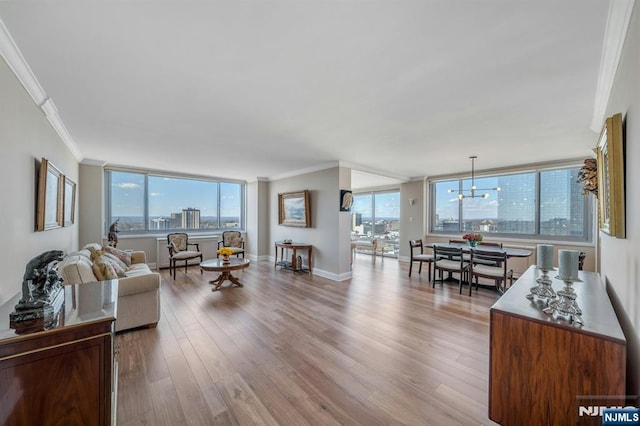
{"x":312,"y":169}
{"x":21,"y":69}
{"x":618,"y":19}
{"x":92,"y":162}
{"x":373,"y":171}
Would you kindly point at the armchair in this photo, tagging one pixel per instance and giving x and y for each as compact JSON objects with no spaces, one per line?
{"x":234,"y":241}
{"x":178,"y":245}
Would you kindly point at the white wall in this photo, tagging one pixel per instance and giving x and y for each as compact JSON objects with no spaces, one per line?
{"x":620,"y":258}
{"x":324,"y":233}
{"x":26,"y":136}
{"x":411,"y":215}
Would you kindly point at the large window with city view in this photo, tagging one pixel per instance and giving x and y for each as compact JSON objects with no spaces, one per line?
{"x":376,"y":215}
{"x":541,"y":204}
{"x":146,"y":202}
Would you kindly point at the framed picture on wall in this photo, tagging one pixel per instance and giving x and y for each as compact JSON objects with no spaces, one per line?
{"x":293,"y":209}
{"x":50,"y":202}
{"x":611,"y":185}
{"x":69,"y":201}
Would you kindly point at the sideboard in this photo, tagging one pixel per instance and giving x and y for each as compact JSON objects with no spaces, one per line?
{"x":544,"y":368}
{"x":63,"y":372}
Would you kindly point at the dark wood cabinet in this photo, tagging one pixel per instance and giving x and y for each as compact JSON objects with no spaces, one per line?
{"x":543,"y":368}
{"x":65,"y":374}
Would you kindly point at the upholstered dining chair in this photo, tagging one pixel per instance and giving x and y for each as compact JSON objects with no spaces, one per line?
{"x":178,"y":245}
{"x":234,"y":241}
{"x":492,"y":265}
{"x":419,"y":256}
{"x":450,"y":260}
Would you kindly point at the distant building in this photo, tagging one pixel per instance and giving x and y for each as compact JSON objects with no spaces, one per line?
{"x":190,"y":218}
{"x":160,"y":223}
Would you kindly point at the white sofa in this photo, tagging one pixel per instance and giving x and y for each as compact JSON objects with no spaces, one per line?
{"x":138,"y":290}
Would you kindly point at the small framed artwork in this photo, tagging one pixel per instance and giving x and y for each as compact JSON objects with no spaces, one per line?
{"x":69,"y":202}
{"x":50,"y":202}
{"x":346,"y":200}
{"x":293,"y":209}
{"x":611,"y":185}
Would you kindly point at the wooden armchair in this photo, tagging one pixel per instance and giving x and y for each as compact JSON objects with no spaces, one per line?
{"x":234,"y":241}
{"x":178,"y":245}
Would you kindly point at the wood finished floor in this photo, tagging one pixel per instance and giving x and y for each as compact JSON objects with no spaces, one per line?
{"x":379,"y":349}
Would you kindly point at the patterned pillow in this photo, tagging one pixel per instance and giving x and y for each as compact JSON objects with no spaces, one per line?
{"x":120,"y":254}
{"x":114,"y":259}
{"x":103,"y":270}
{"x":117,"y":265}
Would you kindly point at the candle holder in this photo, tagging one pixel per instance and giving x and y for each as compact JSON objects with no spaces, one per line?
{"x":566,"y":304}
{"x":543,"y":290}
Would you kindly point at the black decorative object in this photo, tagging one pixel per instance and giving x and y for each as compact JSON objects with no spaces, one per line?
{"x":113,"y":234}
{"x":42,"y":294}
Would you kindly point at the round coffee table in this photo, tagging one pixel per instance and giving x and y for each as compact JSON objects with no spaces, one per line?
{"x":216,"y":265}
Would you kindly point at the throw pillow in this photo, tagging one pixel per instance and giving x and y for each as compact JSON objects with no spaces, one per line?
{"x":94,"y":253}
{"x":116,"y":264}
{"x":114,"y":259}
{"x":120,"y":254}
{"x":103,"y":270}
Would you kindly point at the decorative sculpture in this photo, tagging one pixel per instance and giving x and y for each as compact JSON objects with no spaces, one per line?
{"x":42,"y":294}
{"x":589,"y":175}
{"x":113,"y":234}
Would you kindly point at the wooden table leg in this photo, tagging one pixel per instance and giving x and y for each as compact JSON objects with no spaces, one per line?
{"x":224,"y":276}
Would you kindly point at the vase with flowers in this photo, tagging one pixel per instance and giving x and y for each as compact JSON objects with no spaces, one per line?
{"x":225,"y":252}
{"x":472,"y":239}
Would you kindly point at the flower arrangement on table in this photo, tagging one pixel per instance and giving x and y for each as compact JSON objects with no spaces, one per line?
{"x":472,"y":239}
{"x":225,"y":252}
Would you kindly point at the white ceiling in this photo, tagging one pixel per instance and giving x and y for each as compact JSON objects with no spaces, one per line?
{"x":262,"y":88}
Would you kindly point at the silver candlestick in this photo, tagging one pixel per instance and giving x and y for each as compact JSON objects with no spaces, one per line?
{"x":543,"y":290}
{"x":566,"y":304}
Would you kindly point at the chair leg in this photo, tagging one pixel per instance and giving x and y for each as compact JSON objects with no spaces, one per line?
{"x":185,"y":266}
{"x":429,"y":266}
{"x":410,"y":267}
{"x":200,"y":262}
{"x":172,"y":266}
{"x":420,"y":268}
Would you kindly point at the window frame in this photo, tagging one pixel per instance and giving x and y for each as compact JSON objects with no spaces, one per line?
{"x":149,"y":173}
{"x":537,"y":236}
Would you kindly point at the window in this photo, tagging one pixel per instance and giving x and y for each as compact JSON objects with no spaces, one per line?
{"x":145,"y":202}
{"x":376,"y":215}
{"x":540,"y":204}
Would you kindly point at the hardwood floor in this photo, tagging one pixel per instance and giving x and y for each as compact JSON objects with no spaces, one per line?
{"x":379,"y":349}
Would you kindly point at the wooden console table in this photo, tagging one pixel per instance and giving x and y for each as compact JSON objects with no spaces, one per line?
{"x":542,"y":369}
{"x":65,"y":374}
{"x":293,"y":265}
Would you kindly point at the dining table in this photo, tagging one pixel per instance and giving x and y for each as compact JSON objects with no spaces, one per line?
{"x":466,"y":248}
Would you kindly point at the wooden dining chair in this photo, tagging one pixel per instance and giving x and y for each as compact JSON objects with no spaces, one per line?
{"x":492,"y":265}
{"x":451,"y":260}
{"x":419,"y":256}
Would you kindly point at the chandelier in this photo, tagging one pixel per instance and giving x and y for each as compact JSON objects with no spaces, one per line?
{"x":472,"y":191}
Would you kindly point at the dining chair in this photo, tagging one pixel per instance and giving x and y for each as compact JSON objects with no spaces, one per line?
{"x":466,"y":256}
{"x":419,"y":256}
{"x":178,"y":245}
{"x":492,"y":265}
{"x":451,"y":260}
{"x":234,"y":241}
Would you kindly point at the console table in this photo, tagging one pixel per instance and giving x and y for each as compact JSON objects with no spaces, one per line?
{"x":293,"y":264}
{"x":63,"y":372}
{"x":542,"y":369}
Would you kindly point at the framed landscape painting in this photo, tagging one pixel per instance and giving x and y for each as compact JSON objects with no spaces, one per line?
{"x":293,"y":209}
{"x":611,"y":185}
